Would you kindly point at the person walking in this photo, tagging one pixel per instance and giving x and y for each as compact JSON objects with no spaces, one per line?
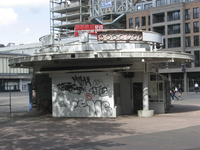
{"x":174,"y":92}
{"x":180,"y":90}
{"x":196,"y":86}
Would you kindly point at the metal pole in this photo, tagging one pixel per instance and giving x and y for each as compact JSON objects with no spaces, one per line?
{"x":10,"y":98}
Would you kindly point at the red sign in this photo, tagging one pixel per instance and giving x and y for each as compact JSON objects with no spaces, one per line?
{"x":88,"y":27}
{"x":88,"y":96}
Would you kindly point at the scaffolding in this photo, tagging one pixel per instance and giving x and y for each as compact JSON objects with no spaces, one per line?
{"x":65,"y":14}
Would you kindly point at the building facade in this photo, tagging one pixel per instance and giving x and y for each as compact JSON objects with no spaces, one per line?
{"x":16,"y":79}
{"x":13,"y":79}
{"x":179,"y":25}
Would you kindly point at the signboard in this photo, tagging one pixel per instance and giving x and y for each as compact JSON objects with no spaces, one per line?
{"x":106,"y":4}
{"x":119,"y":36}
{"x":88,"y":27}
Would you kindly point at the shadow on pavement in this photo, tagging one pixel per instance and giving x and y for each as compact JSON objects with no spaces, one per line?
{"x":179,"y":108}
{"x":46,"y":132}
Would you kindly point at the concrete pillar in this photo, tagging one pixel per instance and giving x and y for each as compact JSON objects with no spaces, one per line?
{"x":185,"y":82}
{"x":20,"y":85}
{"x":170,"y":78}
{"x":145,"y":92}
{"x":145,"y":112}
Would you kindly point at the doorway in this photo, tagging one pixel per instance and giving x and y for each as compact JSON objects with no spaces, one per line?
{"x":137,"y":97}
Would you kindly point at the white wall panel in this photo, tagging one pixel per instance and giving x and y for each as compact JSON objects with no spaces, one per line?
{"x":5,"y":67}
{"x":1,"y":65}
{"x":18,"y":70}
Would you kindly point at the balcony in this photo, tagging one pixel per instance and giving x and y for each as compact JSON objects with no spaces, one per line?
{"x":66,"y":23}
{"x":158,"y":18}
{"x":64,"y":6}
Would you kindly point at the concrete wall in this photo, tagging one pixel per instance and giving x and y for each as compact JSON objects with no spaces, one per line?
{"x":126,"y":96}
{"x":83,"y":95}
{"x":117,"y":93}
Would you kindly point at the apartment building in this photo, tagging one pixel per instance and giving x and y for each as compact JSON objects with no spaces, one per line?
{"x":178,"y":22}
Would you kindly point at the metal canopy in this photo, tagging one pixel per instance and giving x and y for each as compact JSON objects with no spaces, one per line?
{"x":97,"y":60}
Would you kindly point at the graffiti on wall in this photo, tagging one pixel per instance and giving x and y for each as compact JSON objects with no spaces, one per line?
{"x":79,"y":86}
{"x":83,"y":108}
{"x":88,"y":104}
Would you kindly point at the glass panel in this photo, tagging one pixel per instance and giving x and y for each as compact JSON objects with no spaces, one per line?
{"x":187,"y":41}
{"x":160,"y":2}
{"x":196,"y":26}
{"x":131,"y":23}
{"x":152,"y":77}
{"x":197,"y":58}
{"x":153,"y":92}
{"x":196,"y":13}
{"x":174,"y":42}
{"x":196,"y":40}
{"x":149,"y":20}
{"x":187,"y":14}
{"x":177,"y":78}
{"x":192,"y":78}
{"x":174,"y":15}
{"x":137,"y":22}
{"x":147,"y":6}
{"x":174,"y":29}
{"x":143,"y":21}
{"x":160,"y":92}
{"x":157,"y":18}
{"x":159,"y":78}
{"x":187,"y":28}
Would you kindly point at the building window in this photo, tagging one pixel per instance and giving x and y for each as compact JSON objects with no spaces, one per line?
{"x":157,"y":18}
{"x":196,"y":26}
{"x":160,"y":2}
{"x":138,"y":7}
{"x":174,"y":29}
{"x":137,"y":22}
{"x":131,"y":23}
{"x":197,"y":58}
{"x":187,"y":41}
{"x":163,"y":43}
{"x":175,"y":1}
{"x":174,"y":42}
{"x":187,"y":14}
{"x":196,"y":40}
{"x":187,"y":28}
{"x":196,"y":13}
{"x":144,"y":21}
{"x":147,"y":6}
{"x":160,"y":29}
{"x":149,"y":20}
{"x":173,"y":15}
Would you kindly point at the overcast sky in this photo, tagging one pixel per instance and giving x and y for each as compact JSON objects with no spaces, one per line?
{"x":23,"y":21}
